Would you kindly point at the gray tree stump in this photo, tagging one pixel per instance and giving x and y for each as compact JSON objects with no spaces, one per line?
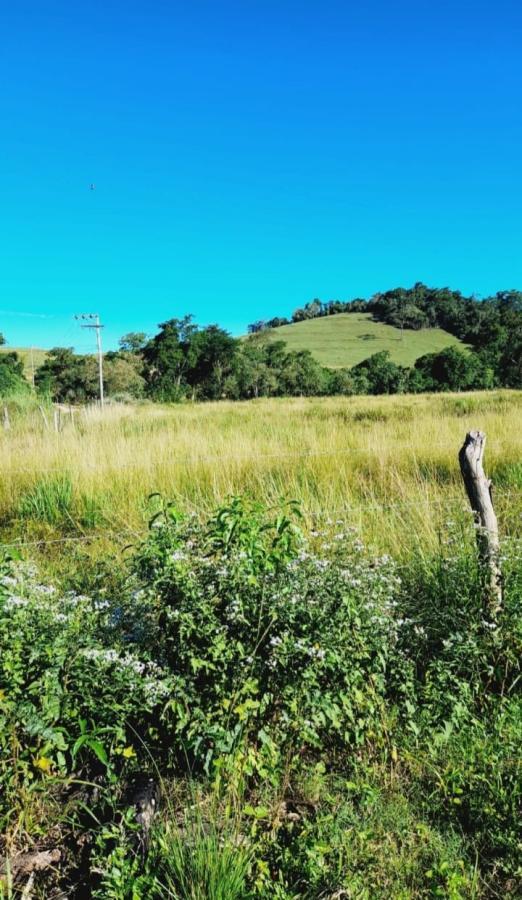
{"x":478,"y":489}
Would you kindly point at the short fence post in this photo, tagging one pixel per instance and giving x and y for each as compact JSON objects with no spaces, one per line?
{"x":478,"y":489}
{"x":7,"y":421}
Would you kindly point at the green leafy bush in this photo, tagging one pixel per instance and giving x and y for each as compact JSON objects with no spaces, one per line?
{"x":269,"y":642}
{"x":68,"y":700}
{"x":362,"y":719}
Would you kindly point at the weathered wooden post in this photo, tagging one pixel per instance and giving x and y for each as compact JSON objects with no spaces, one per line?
{"x":478,"y":489}
{"x":7,"y":421}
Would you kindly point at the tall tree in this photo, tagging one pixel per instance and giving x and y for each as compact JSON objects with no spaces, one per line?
{"x":133,"y":341}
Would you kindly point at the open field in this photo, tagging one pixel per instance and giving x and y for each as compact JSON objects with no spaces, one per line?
{"x":344,"y":340}
{"x":318,"y":710}
{"x":387,"y":465}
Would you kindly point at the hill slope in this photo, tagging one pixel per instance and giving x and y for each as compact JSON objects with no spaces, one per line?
{"x":344,"y":340}
{"x":28,"y":357}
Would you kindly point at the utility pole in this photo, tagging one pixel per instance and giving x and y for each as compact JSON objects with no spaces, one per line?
{"x":94,"y":322}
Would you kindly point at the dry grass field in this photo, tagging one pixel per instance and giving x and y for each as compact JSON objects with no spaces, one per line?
{"x":386,"y":465}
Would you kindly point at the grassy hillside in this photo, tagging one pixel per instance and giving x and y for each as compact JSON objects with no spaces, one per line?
{"x":346,"y":339}
{"x":25,"y":355}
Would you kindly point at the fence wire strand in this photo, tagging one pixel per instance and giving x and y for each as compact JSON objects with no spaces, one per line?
{"x":256,"y":457}
{"x":360,"y":509}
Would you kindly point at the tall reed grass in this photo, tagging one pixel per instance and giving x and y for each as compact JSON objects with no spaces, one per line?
{"x":385,"y":465}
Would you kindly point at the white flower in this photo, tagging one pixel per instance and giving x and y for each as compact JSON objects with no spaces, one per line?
{"x":14,"y":601}
{"x":9,"y":581}
{"x":45,"y":589}
{"x":178,"y":556}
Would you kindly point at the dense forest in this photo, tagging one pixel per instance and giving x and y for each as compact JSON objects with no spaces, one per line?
{"x":184,"y":361}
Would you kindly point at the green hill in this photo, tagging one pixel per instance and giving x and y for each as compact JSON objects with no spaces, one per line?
{"x":344,"y":340}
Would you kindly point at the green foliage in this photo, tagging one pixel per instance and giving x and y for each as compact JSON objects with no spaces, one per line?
{"x":12,"y":380}
{"x":430,"y":330}
{"x":183,"y":360}
{"x":378,"y":375}
{"x":245,"y":618}
{"x":69,"y":692}
{"x":474,"y":777}
{"x":66,"y":377}
{"x":133,"y":341}
{"x":364,"y":837}
{"x":493,"y":328}
{"x":202,"y":862}
{"x":450,"y":370}
{"x":50,"y":501}
{"x":355,"y":727}
{"x":122,"y":375}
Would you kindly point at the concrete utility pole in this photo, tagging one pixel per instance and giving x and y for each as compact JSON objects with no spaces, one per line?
{"x":95,"y":323}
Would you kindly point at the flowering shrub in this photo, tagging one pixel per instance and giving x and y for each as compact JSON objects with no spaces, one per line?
{"x":239,"y":650}
{"x":67,"y":700}
{"x":270,"y":642}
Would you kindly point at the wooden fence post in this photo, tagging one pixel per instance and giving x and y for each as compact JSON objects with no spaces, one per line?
{"x":7,"y":421}
{"x":478,"y":489}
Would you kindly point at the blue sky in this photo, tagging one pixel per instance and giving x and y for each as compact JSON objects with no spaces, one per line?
{"x":249,"y":156}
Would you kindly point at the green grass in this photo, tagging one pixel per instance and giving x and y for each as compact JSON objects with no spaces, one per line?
{"x":347,"y":339}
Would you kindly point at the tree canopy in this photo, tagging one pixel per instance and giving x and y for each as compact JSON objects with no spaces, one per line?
{"x":186,"y":361}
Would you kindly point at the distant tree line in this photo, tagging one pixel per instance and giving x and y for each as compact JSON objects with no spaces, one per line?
{"x":185,"y":361}
{"x":12,"y":379}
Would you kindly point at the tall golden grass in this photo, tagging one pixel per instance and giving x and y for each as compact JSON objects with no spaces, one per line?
{"x":386,"y":465}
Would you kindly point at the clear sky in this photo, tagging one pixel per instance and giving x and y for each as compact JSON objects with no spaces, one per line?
{"x":249,"y":156}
